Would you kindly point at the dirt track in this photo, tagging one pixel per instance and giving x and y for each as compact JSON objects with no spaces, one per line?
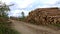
{"x":25,"y":28}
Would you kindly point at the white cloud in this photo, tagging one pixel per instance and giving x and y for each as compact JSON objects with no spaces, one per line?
{"x":28,"y":3}
{"x":20,"y":3}
{"x":17,"y":13}
{"x":25,"y":3}
{"x":47,"y":6}
{"x":48,"y":1}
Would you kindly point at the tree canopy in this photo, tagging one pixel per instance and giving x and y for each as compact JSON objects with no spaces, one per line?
{"x":4,"y":8}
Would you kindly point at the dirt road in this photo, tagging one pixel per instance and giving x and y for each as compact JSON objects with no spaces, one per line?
{"x":25,"y":28}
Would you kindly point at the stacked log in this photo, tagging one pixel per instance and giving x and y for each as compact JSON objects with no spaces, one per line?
{"x":44,"y":16}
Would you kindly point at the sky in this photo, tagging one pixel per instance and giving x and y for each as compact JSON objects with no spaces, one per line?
{"x":27,"y":5}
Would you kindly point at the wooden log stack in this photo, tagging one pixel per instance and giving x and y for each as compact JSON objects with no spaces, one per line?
{"x":44,"y":16}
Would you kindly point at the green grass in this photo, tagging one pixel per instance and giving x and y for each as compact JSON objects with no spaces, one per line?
{"x":5,"y":29}
{"x":57,"y":25}
{"x":21,"y":19}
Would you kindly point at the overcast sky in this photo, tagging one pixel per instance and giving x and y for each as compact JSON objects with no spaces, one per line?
{"x":27,"y":5}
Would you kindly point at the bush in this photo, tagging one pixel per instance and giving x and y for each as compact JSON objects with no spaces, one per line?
{"x":6,"y":29}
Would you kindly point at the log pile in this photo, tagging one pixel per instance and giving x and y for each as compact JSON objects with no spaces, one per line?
{"x":44,"y":16}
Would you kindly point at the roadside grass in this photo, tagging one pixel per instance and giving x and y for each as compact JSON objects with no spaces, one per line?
{"x":6,"y":29}
{"x":21,"y":19}
{"x":57,"y":25}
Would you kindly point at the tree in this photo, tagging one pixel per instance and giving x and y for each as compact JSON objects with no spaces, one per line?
{"x":22,"y":14}
{"x":3,"y":9}
{"x":5,"y":26}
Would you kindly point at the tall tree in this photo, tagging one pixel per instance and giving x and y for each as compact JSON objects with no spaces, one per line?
{"x":23,"y":16}
{"x":4,"y":9}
